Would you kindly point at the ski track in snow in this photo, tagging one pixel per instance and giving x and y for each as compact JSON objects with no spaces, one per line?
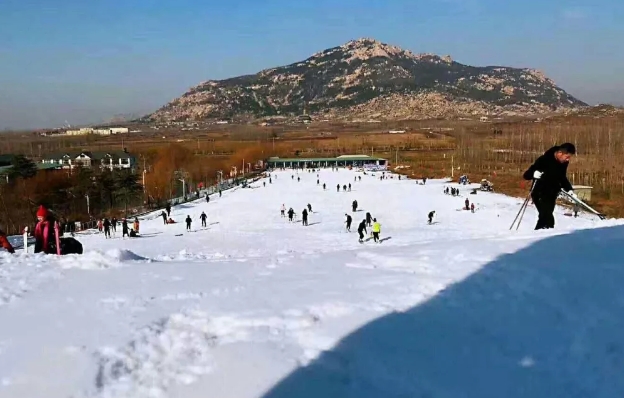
{"x":174,"y":313}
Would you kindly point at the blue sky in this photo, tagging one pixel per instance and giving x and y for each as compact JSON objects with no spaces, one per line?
{"x":85,"y":61}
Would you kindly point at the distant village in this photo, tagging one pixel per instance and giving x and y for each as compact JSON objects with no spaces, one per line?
{"x":87,"y":130}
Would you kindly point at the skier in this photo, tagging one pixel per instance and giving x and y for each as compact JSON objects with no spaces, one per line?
{"x":549,"y":176}
{"x":114,"y":224}
{"x":324,"y":186}
{"x":354,"y":205}
{"x":45,"y":236}
{"x":304,"y":219}
{"x":136,"y":225}
{"x":219,"y":193}
{"x":106,"y":225}
{"x":203,"y":218}
{"x":310,"y":208}
{"x":292,"y":177}
{"x":369,"y":219}
{"x":124,"y":228}
{"x":318,"y":182}
{"x":576,"y":209}
{"x":376,"y":230}
{"x":348,"y":222}
{"x":349,"y":187}
{"x":264,"y":184}
{"x":4,"y":242}
{"x":291,"y":214}
{"x":100,"y":227}
{"x":270,"y":180}
{"x":298,"y":179}
{"x":207,"y":198}
{"x":359,"y":178}
{"x":467,"y":202}
{"x":472,"y":207}
{"x":344,"y":188}
{"x":188,"y":222}
{"x":431,"y":214}
{"x":168,"y":208}
{"x":424,"y":180}
{"x":283,"y":210}
{"x":362,"y":230}
{"x":355,"y":178}
{"x":338,"y":188}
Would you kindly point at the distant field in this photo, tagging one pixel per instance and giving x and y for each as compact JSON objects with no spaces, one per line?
{"x":498,"y":151}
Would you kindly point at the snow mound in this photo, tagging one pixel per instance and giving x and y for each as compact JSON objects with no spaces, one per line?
{"x":97,"y":260}
{"x":174,"y":350}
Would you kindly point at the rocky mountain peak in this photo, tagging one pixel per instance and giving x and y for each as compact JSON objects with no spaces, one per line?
{"x":368,"y":78}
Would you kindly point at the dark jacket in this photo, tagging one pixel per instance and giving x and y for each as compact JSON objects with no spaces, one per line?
{"x":554,"y":177}
{"x":362,"y":227}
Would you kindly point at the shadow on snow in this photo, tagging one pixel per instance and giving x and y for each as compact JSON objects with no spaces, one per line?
{"x":544,"y":322}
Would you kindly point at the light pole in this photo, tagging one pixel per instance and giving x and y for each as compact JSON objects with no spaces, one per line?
{"x":452,"y":165}
{"x":183,"y":187}
{"x":220,"y":182}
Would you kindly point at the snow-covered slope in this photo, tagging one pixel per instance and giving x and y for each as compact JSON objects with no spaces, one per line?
{"x":254,"y":306}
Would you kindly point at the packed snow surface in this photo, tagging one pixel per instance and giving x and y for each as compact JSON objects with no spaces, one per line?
{"x":255,"y":306}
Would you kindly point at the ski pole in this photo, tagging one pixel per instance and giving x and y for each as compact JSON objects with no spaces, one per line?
{"x":522,"y":215}
{"x":518,"y":215}
{"x":523,"y":207}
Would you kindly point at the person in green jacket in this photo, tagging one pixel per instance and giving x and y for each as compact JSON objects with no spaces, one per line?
{"x":376,"y":230}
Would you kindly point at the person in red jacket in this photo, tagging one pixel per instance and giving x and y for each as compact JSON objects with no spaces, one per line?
{"x":45,"y":239}
{"x":5,"y":243}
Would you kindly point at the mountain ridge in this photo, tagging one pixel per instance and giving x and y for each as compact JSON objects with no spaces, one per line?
{"x":358,"y":78}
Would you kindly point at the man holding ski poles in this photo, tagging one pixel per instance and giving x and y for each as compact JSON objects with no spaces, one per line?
{"x":549,"y":176}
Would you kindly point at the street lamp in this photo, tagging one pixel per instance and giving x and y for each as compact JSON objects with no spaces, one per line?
{"x":183,"y":187}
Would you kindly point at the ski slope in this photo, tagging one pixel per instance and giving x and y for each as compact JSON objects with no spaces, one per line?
{"x":255,"y":306}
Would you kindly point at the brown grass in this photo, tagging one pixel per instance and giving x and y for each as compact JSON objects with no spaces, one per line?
{"x":428,"y":147}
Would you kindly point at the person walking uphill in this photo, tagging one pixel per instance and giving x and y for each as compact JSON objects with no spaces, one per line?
{"x":203,"y":217}
{"x":376,"y":230}
{"x":124,"y":228}
{"x":188,"y":223}
{"x":348,"y":222}
{"x":362,"y":230}
{"x":304,"y":216}
{"x":549,"y":176}
{"x":107,"y":226}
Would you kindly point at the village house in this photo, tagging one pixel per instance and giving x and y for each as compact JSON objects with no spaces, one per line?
{"x":102,"y":159}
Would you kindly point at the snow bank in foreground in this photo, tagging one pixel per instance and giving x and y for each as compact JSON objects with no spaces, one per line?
{"x":97,"y":260}
{"x":173,"y":350}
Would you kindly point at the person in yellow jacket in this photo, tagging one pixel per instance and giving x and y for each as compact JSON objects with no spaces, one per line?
{"x":376,"y":230}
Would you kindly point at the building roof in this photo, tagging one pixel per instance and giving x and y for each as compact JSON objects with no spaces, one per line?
{"x":339,"y":158}
{"x":97,"y":155}
{"x":7,"y":158}
{"x":40,"y":166}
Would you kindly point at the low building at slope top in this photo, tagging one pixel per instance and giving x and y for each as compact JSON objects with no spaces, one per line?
{"x":102,"y":159}
{"x":340,"y":161}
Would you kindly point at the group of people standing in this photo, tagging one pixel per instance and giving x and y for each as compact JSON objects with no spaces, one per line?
{"x":105,"y":225}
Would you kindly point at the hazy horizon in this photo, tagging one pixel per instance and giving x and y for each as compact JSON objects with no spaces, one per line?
{"x":87,"y":62}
